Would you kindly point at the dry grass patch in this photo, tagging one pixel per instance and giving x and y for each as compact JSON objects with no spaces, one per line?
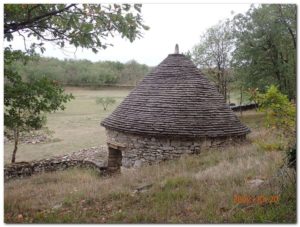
{"x":75,"y":128}
{"x":192,"y":189}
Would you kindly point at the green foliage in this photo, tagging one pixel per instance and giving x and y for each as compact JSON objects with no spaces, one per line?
{"x":174,"y":183}
{"x":83,"y":72}
{"x":270,"y":146}
{"x":253,"y":94}
{"x":213,"y":55}
{"x":133,"y":72}
{"x":26,"y":102}
{"x":265,"y":53}
{"x":281,"y":113}
{"x":80,"y":25}
{"x":105,"y":101}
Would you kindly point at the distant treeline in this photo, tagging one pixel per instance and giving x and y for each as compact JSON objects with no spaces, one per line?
{"x":84,"y":72}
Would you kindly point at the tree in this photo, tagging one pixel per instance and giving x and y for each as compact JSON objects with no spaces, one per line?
{"x":281,"y":116}
{"x":80,"y":25}
{"x":213,"y":55}
{"x":280,"y":112}
{"x":26,"y":103}
{"x":265,"y":47}
{"x":133,"y":72}
{"x":254,"y":96}
{"x":105,"y":101}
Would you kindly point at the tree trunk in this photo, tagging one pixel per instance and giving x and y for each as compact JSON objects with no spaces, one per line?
{"x":225,"y":87}
{"x":16,"y":138}
{"x":241,"y":101}
{"x":229,"y":96}
{"x":288,"y":27}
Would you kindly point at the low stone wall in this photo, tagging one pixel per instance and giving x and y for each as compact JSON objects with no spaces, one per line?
{"x":95,"y":158}
{"x":138,"y":150}
{"x":24,"y":169}
{"x":245,"y":107}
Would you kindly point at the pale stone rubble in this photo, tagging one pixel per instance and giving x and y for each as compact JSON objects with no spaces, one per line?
{"x":95,"y":157}
{"x":29,"y":138}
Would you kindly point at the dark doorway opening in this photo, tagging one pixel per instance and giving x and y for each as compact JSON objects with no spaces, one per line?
{"x":114,"y":159}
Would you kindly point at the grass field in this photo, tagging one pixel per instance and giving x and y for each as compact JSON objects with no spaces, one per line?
{"x":75,"y":128}
{"x":193,"y":189}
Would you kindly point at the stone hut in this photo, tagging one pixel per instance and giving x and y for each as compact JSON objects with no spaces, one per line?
{"x":174,"y":110}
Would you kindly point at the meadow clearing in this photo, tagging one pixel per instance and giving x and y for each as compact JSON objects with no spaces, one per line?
{"x":75,"y":128}
{"x":193,"y":189}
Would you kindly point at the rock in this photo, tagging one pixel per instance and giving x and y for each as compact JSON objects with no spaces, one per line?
{"x":57,"y":206}
{"x":138,"y":164}
{"x":126,"y":162}
{"x":144,"y":187}
{"x":20,"y":217}
{"x":255,"y":182}
{"x":91,"y":158}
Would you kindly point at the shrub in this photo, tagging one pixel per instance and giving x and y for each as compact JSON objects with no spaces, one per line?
{"x":105,"y":101}
{"x":280,"y":112}
{"x":281,"y":115}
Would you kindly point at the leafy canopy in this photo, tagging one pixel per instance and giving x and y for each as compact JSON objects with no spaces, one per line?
{"x":25,"y":103}
{"x":83,"y":72}
{"x":213,"y":55}
{"x":265,"y":47}
{"x":281,"y":113}
{"x":80,"y":25}
{"x":105,"y":101}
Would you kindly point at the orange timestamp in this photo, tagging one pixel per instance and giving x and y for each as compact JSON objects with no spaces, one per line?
{"x":256,"y":199}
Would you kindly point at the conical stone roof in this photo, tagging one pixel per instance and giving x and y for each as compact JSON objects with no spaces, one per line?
{"x":175,"y":100}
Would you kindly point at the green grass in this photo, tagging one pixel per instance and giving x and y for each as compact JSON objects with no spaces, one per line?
{"x":75,"y":128}
{"x":192,"y":189}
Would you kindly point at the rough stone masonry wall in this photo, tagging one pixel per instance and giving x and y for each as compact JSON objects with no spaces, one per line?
{"x":139,"y":150}
{"x":94,"y":158}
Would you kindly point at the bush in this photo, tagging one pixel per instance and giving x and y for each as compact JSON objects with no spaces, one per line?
{"x":280,"y":112}
{"x":281,"y":115}
{"x":105,"y":101}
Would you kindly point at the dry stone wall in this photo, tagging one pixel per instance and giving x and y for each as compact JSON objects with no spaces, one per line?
{"x":138,"y":150}
{"x":95,"y":158}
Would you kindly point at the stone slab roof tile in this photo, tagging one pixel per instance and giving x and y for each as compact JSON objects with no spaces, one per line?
{"x":176,"y":100}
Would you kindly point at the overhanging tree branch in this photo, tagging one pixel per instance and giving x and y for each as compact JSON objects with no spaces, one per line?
{"x":13,"y":27}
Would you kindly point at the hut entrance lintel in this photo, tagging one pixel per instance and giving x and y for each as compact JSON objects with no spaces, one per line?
{"x":115,"y":157}
{"x":117,"y":146}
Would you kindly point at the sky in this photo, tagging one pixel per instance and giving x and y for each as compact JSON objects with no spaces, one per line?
{"x":169,"y":24}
